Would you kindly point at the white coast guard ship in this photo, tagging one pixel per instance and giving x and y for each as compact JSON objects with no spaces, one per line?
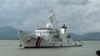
{"x":48,"y":35}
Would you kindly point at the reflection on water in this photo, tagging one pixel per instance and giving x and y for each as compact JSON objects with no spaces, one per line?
{"x":11,"y":48}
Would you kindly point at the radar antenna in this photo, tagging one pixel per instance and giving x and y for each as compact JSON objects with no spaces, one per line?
{"x":52,"y":20}
{"x":51,"y":16}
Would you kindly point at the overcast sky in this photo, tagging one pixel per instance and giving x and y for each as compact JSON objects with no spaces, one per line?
{"x":80,"y":16}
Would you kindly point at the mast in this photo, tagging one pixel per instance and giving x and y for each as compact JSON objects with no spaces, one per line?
{"x":51,"y":17}
{"x":52,"y":20}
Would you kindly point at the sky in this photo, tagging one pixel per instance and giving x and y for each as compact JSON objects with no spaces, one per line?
{"x":80,"y":16}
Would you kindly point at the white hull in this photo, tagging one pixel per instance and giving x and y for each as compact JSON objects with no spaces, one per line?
{"x":29,"y":41}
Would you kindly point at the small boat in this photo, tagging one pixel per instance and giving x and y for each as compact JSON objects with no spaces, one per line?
{"x":48,"y":35}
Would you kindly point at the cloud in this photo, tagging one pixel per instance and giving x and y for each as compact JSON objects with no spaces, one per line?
{"x":73,"y":2}
{"x":80,"y":16}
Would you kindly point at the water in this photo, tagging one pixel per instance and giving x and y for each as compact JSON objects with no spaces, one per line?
{"x":11,"y":48}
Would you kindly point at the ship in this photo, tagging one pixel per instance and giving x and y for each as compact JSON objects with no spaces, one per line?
{"x":48,"y":35}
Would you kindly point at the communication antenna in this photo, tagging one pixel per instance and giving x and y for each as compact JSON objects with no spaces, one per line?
{"x":52,"y":19}
{"x":52,"y":16}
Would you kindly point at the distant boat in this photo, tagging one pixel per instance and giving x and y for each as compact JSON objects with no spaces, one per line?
{"x":48,"y":35}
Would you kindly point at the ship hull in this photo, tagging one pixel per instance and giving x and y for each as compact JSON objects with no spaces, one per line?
{"x":46,"y":44}
{"x":52,"y":46}
{"x":29,"y":41}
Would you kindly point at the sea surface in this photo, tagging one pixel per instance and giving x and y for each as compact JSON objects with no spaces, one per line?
{"x":11,"y":48}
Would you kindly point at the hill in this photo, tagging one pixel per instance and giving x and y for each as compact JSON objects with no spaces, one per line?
{"x":87,"y":36}
{"x":8,"y":33}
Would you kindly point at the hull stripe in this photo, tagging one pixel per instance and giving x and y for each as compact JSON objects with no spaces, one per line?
{"x":38,"y":42}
